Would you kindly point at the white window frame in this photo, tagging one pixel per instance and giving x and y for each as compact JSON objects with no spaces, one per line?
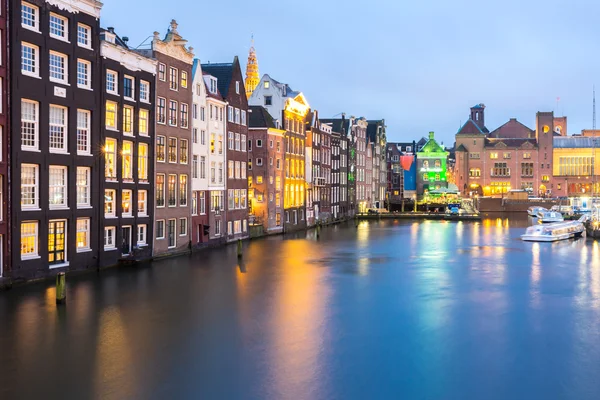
{"x":85,"y":188}
{"x":132,"y":121}
{"x":83,"y":225}
{"x":88,"y":30}
{"x":65,"y":72}
{"x":145,"y":112}
{"x":183,"y":223}
{"x":36,"y":250}
{"x":173,"y":83}
{"x":113,"y":245}
{"x":113,"y":153}
{"x":35,"y":19}
{"x":115,"y":82}
{"x":145,"y":98}
{"x":35,"y":127}
{"x":124,"y":156}
{"x":127,"y":214}
{"x":83,"y":132}
{"x":142,"y":198}
{"x":112,"y":214}
{"x":169,"y":246}
{"x":143,"y":162}
{"x":87,"y":76}
{"x":132,"y":97}
{"x":65,"y":25}
{"x":61,"y":171}
{"x":35,"y":61}
{"x":58,"y":126}
{"x":35,"y":186}
{"x":162,"y":71}
{"x":142,"y":235}
{"x":164,"y":225}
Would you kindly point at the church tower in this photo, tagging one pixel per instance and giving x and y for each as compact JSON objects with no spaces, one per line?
{"x":252,"y":78}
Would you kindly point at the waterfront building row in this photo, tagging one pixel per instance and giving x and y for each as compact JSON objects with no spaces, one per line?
{"x":117,"y":154}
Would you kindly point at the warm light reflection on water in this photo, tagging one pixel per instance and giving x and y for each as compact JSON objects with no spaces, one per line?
{"x":388,"y":309}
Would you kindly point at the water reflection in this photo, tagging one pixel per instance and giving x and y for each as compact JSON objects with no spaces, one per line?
{"x":416,"y":309}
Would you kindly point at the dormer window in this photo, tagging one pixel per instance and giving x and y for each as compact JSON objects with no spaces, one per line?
{"x":213,"y":85}
{"x":267,"y":84}
{"x":237,"y":87}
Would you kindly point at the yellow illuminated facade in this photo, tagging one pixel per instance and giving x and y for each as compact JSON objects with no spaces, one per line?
{"x":295,"y":114}
{"x":577,"y":166}
{"x":252,"y":77}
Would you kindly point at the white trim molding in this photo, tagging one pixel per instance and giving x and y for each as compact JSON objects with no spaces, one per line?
{"x":90,"y":7}
{"x":129,"y":59}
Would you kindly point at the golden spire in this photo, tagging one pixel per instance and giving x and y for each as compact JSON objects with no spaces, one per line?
{"x":252,"y":78}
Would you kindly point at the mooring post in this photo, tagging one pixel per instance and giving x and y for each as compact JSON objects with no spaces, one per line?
{"x":318,"y":231}
{"x":239,"y":248}
{"x":61,"y":288}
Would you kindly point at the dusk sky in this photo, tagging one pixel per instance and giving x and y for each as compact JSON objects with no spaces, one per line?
{"x":419,"y":65}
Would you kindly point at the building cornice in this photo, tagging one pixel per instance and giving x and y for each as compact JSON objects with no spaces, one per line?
{"x":129,"y":59}
{"x":90,"y":7}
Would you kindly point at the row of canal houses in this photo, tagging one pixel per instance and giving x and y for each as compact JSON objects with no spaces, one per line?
{"x":116,"y":154}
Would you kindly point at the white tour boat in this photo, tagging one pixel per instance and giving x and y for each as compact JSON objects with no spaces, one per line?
{"x":555,"y":231}
{"x":533,"y":211}
{"x":550,"y":217}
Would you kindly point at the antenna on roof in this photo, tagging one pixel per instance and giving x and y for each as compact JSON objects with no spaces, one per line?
{"x":593,"y":144}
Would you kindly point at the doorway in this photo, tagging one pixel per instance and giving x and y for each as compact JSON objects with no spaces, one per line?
{"x":56,"y":242}
{"x":126,"y":240}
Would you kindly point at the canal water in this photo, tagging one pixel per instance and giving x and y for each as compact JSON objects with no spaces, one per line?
{"x":402,"y":310}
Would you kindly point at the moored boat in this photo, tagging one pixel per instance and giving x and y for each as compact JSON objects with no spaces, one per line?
{"x":550,"y":217}
{"x":533,"y":211}
{"x":555,"y":231}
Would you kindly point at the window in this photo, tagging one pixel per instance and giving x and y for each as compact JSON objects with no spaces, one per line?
{"x":128,"y":120}
{"x":212,"y":172}
{"x":229,"y":114}
{"x":126,"y":157}
{"x":474,"y":172}
{"x":268,"y":100}
{"x":182,"y":226}
{"x":160,"y":190}
{"x":145,"y":91}
{"x":173,"y":78}
{"x":171,"y":232}
{"x":29,"y":240}
{"x":58,"y":67}
{"x":202,"y":202}
{"x":195,"y":166}
{"x":237,"y":87}
{"x":29,"y":125}
{"x":126,"y":203}
{"x":172,"y":150}
{"x":244,"y":117}
{"x":142,"y":203}
{"x":111,"y":115}
{"x":172,"y":188}
{"x":195,"y":135}
{"x":29,"y":186}
{"x":83,"y":132}
{"x":142,"y":230}
{"x":59,"y":27}
{"x":237,"y":142}
{"x":243,"y":194}
{"x":110,"y":239}
{"x":526,"y":156}
{"x":184,"y":79}
{"x":202,"y":167}
{"x":506,"y":156}
{"x":161,"y":112}
{"x":474,"y":156}
{"x":194,"y":203}
{"x":220,"y":144}
{"x":143,"y":121}
{"x":243,"y":170}
{"x":143,"y":162}
{"x":237,"y":226}
{"x":237,"y":174}
{"x":183,"y":188}
{"x":202,"y":113}
{"x":494,"y":156}
{"x":84,"y":36}
{"x":58,"y":187}
{"x":220,"y":172}
{"x":160,"y":229}
{"x":230,"y":140}
{"x":110,"y":203}
{"x":83,"y":234}
{"x":230,"y":169}
{"x":195,"y":111}
{"x":30,"y":56}
{"x":237,"y":115}
{"x":527,"y":169}
{"x":184,"y":115}
{"x":30,"y":17}
{"x":259,"y":143}
{"x":172,"y":113}
{"x":110,"y":159}
{"x":111,"y":82}
{"x":84,"y":69}
{"x":128,"y":87}
{"x":162,"y":71}
{"x":202,"y":136}
{"x":500,"y":169}
{"x":243,"y":143}
{"x":259,"y":179}
{"x":213,"y":85}
{"x":230,"y":199}
{"x":259,"y":162}
{"x":83,"y":187}
{"x":160,"y":148}
{"x":58,"y":129}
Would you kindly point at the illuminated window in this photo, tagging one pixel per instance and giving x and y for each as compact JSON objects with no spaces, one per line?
{"x":161,"y":112}
{"x":172,"y":187}
{"x":474,"y":172}
{"x":160,"y":190}
{"x":128,"y":120}
{"x":183,"y":151}
{"x":142,"y":203}
{"x":126,"y":203}
{"x":142,"y":162}
{"x":172,"y":150}
{"x":267,"y":84}
{"x":110,"y":159}
{"x":83,"y":234}
{"x":109,"y":203}
{"x":183,"y":190}
{"x":111,"y":115}
{"x":172,"y":113}
{"x":29,"y":240}
{"x":143,"y":121}
{"x":184,"y":79}
{"x":494,"y":156}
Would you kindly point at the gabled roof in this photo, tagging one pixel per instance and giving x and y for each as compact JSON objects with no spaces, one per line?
{"x":462,"y":147}
{"x":513,"y":129}
{"x":471,"y":128}
{"x":284,"y":88}
{"x":510,"y":142}
{"x":259,"y":117}
{"x":432,"y":146}
{"x":223,"y":72}
{"x":338,"y":125}
{"x":195,"y":67}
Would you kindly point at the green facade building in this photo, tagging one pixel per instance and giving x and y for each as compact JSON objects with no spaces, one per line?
{"x":431,"y":167}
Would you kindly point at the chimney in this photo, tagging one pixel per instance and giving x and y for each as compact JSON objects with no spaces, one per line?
{"x":431,"y":134}
{"x":125,"y":39}
{"x":111,"y":29}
